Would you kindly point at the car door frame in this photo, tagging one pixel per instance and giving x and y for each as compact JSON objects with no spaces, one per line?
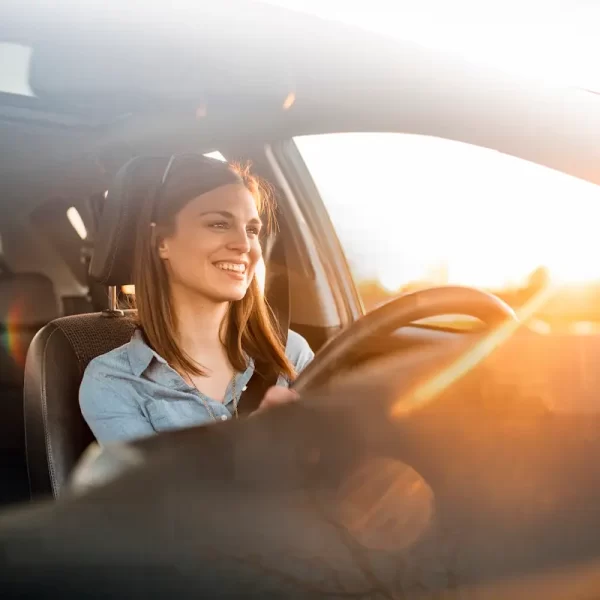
{"x":295,"y":178}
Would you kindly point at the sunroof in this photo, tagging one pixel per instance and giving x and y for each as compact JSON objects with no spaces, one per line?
{"x":15,"y":60}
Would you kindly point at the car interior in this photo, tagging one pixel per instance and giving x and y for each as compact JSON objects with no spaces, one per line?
{"x":75,"y":160}
{"x":50,"y":279}
{"x":64,"y":155}
{"x":65,"y":278}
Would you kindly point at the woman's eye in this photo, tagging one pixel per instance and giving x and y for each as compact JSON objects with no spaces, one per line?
{"x":219,"y":225}
{"x":254,"y":230}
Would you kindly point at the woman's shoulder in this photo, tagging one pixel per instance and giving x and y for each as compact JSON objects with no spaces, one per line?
{"x":131,"y":358}
{"x":298,"y":351}
{"x":113,"y":362}
{"x":106,"y":375}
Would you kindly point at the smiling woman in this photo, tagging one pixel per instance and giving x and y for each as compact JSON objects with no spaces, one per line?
{"x":204,"y":328}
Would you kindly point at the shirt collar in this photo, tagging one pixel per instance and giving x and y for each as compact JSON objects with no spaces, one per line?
{"x":140,"y":354}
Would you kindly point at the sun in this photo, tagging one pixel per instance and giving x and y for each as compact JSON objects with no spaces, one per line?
{"x":391,"y":281}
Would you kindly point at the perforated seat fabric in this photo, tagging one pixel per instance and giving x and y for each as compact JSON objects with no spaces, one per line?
{"x":56,"y":432}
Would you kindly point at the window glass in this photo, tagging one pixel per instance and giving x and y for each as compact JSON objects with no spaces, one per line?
{"x":414,"y":211}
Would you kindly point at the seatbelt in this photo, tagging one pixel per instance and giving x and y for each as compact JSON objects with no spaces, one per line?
{"x":256,"y":389}
{"x":279,"y":291}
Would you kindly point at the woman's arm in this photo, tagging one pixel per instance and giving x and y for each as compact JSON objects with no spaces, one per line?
{"x":109,"y":413}
{"x":300,"y":354}
{"x":298,"y":351}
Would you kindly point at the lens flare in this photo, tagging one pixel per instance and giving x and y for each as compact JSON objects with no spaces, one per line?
{"x":425,"y":392}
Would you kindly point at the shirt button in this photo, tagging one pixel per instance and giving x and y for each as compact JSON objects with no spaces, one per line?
{"x":244,"y":388}
{"x":223,"y":417}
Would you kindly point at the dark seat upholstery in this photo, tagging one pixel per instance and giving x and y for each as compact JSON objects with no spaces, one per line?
{"x":27,"y":303}
{"x":56,"y":433}
{"x":55,"y":430}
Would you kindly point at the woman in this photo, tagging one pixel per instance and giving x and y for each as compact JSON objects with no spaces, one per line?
{"x":202,"y":317}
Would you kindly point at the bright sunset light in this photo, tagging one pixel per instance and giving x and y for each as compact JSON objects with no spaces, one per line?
{"x":410,"y":207}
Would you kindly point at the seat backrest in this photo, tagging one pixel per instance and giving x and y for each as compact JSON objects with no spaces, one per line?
{"x":55,"y":432}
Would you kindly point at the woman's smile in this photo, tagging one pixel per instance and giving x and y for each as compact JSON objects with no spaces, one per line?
{"x":236,"y":270}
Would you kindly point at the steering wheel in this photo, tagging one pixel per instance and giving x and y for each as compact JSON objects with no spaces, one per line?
{"x":400,"y":312}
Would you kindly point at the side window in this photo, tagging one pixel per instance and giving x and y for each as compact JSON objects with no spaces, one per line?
{"x":415,"y":211}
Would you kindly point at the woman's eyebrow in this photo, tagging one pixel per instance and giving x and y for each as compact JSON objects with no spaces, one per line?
{"x":223,"y":213}
{"x":229,"y":215}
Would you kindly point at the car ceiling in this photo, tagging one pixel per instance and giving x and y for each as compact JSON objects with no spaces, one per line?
{"x":114,"y":81}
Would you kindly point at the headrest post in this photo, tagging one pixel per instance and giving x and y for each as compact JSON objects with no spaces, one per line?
{"x":113,"y":304}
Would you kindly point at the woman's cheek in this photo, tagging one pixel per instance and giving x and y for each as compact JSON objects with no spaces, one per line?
{"x":205,"y":242}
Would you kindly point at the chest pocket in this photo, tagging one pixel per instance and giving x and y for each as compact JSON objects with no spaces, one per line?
{"x":166,"y":415}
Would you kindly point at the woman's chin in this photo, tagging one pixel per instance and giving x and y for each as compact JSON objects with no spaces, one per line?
{"x":232,"y":294}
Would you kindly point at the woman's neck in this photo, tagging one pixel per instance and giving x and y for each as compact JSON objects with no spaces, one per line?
{"x":199,"y":321}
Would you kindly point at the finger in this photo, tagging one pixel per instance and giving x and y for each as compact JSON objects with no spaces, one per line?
{"x":280,"y":394}
{"x":276,"y":396}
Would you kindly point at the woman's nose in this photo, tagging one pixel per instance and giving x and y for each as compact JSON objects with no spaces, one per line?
{"x":240,"y":241}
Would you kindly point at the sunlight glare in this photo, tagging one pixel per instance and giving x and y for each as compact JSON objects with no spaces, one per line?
{"x":490,"y":218}
{"x":289,"y":101}
{"x":424,"y":393}
{"x":477,"y":32}
{"x":391,"y":281}
{"x":584,"y":328}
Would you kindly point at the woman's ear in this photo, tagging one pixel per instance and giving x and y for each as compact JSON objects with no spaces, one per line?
{"x":163,"y":248}
{"x":158,"y":242}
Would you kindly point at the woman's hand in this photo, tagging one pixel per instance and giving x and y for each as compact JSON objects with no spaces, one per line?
{"x":276,"y":396}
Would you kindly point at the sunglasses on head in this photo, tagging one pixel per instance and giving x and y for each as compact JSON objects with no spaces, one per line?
{"x":169,"y":170}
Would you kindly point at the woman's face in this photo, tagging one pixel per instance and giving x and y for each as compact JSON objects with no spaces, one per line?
{"x":214,"y":247}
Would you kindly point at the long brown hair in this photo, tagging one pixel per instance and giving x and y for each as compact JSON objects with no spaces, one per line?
{"x":250,"y":328}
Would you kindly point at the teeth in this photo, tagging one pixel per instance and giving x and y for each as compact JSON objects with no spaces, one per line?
{"x":237,"y":267}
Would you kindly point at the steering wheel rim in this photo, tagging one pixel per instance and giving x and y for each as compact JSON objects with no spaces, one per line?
{"x":398,"y":313}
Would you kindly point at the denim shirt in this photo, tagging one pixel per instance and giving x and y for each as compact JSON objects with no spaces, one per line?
{"x":131,"y":392}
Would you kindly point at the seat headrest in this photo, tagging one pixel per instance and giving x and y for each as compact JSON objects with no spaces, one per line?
{"x":112,"y":261}
{"x":27,"y":300}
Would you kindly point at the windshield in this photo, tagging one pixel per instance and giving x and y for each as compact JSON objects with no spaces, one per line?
{"x":419,"y":211}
